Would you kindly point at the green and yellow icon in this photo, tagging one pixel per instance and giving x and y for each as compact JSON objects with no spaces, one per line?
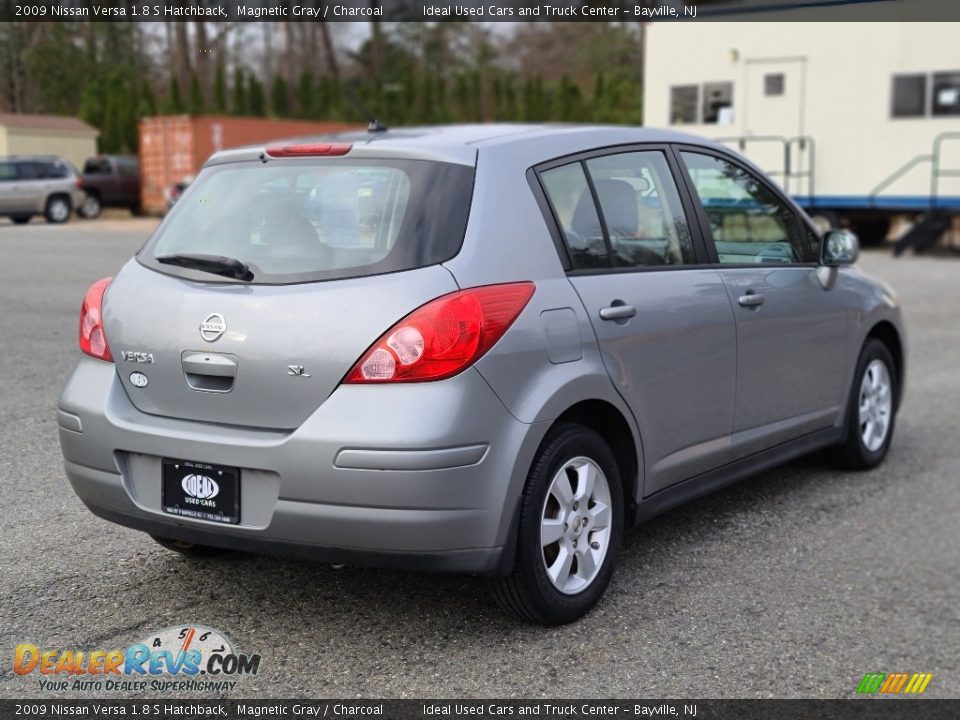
{"x":894,"y":683}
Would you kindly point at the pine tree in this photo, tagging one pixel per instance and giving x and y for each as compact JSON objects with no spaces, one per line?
{"x":258,"y":105}
{"x":306,"y":97}
{"x":219,"y":90}
{"x":279,"y":97}
{"x":148,"y":102}
{"x":174,"y":102}
{"x":196,"y":95}
{"x":240,"y":103}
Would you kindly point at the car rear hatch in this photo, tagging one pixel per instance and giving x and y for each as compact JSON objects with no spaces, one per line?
{"x":269,"y":280}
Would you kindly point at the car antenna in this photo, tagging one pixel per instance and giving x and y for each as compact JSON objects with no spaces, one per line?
{"x":374,"y":125}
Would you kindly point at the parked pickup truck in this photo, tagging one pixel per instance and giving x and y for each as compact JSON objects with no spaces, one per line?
{"x":111,"y":181}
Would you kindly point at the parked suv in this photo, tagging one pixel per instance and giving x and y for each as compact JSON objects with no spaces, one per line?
{"x":38,"y":184}
{"x":111,"y":181}
{"x":483,"y":349}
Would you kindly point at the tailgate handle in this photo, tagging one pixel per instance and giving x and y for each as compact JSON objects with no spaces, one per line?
{"x":204,"y":363}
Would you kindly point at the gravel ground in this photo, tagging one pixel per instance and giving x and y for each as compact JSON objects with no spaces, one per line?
{"x":791,"y":584}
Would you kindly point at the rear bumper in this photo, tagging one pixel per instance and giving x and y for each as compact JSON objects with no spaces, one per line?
{"x":423,"y":477}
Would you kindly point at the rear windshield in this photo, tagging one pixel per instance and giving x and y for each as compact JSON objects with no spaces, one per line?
{"x":306,"y":220}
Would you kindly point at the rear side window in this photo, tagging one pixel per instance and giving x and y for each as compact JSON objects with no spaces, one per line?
{"x":573,"y":206}
{"x":8,"y":172}
{"x":306,"y":220}
{"x":31,"y":171}
{"x":56,"y":171}
{"x":641,"y":209}
{"x":640,"y":221}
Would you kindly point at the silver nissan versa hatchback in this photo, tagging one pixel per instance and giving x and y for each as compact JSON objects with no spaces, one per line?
{"x":481,"y":349}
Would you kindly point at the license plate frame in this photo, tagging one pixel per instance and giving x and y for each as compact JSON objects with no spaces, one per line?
{"x":213,"y":494}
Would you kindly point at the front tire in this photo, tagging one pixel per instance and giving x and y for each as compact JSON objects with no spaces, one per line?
{"x":571,"y":525}
{"x":871,"y":409}
{"x":188,"y":549}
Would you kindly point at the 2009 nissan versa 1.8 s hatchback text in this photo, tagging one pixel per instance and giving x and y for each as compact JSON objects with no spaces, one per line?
{"x":483,"y":349}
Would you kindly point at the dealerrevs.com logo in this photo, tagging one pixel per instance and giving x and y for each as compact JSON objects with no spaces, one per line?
{"x":181,"y":658}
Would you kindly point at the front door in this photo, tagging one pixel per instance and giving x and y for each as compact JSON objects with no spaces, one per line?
{"x":791,"y":331}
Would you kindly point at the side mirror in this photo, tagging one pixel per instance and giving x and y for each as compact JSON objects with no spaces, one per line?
{"x":839,"y":247}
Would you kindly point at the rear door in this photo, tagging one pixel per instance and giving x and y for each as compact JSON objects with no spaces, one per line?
{"x":32,"y":185}
{"x":664,"y":323}
{"x":791,"y":331}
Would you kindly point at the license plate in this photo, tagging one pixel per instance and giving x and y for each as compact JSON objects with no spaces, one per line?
{"x":202,"y":491}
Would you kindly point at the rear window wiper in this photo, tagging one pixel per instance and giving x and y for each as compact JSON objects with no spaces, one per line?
{"x":215,"y":264}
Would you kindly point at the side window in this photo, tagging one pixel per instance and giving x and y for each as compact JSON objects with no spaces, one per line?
{"x":96,"y":166}
{"x":8,"y":172}
{"x":30,"y":170}
{"x":748,"y":222}
{"x":56,"y":171}
{"x":572,"y":203}
{"x":641,"y":210}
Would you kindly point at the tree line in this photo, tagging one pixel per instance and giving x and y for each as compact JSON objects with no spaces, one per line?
{"x":113,"y":74}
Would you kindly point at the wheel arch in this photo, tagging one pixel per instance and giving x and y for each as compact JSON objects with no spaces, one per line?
{"x":609,"y":422}
{"x":887,"y":333}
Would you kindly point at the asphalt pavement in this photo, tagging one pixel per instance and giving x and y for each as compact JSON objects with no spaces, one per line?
{"x":791,"y":584}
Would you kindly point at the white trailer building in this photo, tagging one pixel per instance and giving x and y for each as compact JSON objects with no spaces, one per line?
{"x":860,"y":122}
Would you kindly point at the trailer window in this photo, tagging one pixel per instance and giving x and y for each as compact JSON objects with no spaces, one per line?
{"x":683,"y":104}
{"x":773,"y":84}
{"x":718,"y":103}
{"x":909,"y":95}
{"x":710,"y":104}
{"x":946,"y":93}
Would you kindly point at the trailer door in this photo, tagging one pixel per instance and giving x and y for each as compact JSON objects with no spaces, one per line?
{"x":773,"y":107}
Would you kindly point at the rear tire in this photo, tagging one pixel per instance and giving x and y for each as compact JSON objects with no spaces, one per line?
{"x":91,"y":207}
{"x":58,"y":209}
{"x":20,"y":219}
{"x":571,"y":525}
{"x":871,"y":409}
{"x":189,"y":549}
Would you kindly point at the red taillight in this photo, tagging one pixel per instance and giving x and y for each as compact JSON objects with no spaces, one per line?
{"x":443,"y":337}
{"x":79,"y":183}
{"x":325,"y":150}
{"x":93,"y":340}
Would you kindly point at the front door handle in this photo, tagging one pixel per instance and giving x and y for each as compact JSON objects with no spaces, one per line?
{"x":618,"y":310}
{"x":751,"y":299}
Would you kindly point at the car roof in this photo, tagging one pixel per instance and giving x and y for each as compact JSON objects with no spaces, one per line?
{"x":460,"y":143}
{"x":31,"y":158}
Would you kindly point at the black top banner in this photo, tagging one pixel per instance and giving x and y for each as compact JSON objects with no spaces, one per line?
{"x":333,"y":11}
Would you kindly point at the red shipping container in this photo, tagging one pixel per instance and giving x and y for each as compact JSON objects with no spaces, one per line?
{"x":173,"y":147}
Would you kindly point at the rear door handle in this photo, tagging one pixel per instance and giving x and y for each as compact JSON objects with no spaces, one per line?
{"x":751,"y":299}
{"x":617,"y":311}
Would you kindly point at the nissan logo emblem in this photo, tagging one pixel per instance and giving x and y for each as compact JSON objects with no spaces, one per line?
{"x":213,"y":327}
